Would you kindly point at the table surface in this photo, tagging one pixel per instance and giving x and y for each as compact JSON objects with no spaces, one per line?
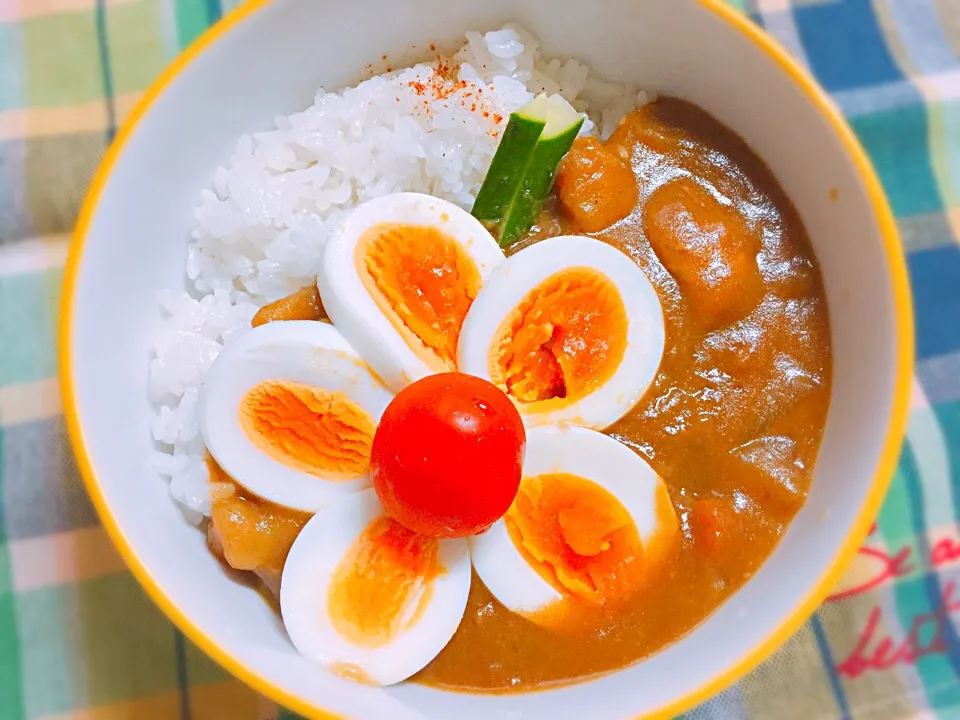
{"x":79,"y":639}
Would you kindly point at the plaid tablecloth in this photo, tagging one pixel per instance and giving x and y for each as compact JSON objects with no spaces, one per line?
{"x":79,"y":639}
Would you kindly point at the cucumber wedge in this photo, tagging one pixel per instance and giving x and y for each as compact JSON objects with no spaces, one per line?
{"x":563,"y":124}
{"x":510,"y":161}
{"x":524,"y":167}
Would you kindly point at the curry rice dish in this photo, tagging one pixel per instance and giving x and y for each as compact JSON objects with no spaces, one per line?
{"x":493,"y":375}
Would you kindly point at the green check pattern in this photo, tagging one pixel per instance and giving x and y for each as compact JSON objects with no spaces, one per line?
{"x":78,"y":637}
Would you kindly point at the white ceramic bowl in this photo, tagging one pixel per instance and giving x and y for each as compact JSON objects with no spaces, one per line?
{"x":268,"y":58}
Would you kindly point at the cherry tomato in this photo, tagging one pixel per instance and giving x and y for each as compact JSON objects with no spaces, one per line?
{"x":448,"y":455}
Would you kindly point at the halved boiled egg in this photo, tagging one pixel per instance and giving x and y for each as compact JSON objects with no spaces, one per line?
{"x":399,"y":275}
{"x":592,"y":524}
{"x":570,"y":328}
{"x":289,"y":411}
{"x":369,"y":599}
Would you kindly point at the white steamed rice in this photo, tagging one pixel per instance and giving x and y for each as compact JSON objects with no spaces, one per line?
{"x":261,"y":227}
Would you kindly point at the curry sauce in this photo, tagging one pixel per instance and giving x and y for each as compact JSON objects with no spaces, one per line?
{"x":735,"y":415}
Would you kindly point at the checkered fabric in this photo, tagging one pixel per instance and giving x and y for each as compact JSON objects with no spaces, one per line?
{"x":79,"y":639}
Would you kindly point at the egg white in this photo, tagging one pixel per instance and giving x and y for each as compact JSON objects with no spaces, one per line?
{"x":577,"y":451}
{"x":304,"y":351}
{"x":305,"y":586}
{"x":350,"y":305}
{"x":510,"y":283}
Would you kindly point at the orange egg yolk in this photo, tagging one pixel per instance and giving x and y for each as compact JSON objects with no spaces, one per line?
{"x":423,"y":282}
{"x":582,"y":540}
{"x":308,"y":428}
{"x":563,"y":340}
{"x":383,"y":583}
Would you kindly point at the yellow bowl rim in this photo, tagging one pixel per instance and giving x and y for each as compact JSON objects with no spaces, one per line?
{"x":804,"y":609}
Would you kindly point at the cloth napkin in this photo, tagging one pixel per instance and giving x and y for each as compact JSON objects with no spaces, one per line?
{"x":79,"y":639}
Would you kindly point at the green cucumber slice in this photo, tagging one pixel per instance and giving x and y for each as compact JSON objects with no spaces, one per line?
{"x":510,"y":161}
{"x":562,"y":118}
{"x":521,"y":174}
{"x":563,"y":125}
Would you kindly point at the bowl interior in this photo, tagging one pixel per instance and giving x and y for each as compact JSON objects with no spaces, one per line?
{"x":271,"y":62}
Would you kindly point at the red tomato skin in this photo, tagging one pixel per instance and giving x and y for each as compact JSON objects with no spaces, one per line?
{"x":448,"y":455}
